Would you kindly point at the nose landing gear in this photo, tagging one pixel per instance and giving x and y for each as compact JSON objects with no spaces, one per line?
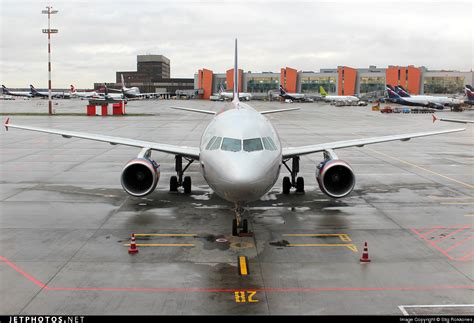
{"x":240,"y":226}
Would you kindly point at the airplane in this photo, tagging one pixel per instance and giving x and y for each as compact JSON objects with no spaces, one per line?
{"x":240,"y":156}
{"x":44,"y":94}
{"x":16,"y":93}
{"x":411,"y":101}
{"x":133,"y":92}
{"x":223,"y":95}
{"x":82,"y":95}
{"x":451,"y":120}
{"x":298,"y":97}
{"x":470,"y":94}
{"x":442,"y":100}
{"x":335,"y":98}
{"x":106,"y":97}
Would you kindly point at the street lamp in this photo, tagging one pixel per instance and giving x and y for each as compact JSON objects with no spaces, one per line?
{"x":49,"y":31}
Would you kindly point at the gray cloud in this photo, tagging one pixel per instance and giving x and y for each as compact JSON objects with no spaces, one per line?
{"x":97,"y":38}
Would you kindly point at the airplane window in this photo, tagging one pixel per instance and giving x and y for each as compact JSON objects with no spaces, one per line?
{"x":216,"y":144}
{"x":270,"y":140}
{"x":231,"y":144}
{"x":266,"y":144}
{"x":269,"y":144}
{"x":210,"y":143}
{"x":252,"y":144}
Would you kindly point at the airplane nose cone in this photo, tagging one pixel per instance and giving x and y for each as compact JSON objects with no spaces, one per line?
{"x":243,"y":180}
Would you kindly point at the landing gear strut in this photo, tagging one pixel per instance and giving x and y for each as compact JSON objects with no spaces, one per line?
{"x":240,"y":226}
{"x":177,"y":181}
{"x":296,"y":182}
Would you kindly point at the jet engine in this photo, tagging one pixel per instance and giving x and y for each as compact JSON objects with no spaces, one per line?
{"x":335,"y":177}
{"x":140,"y":176}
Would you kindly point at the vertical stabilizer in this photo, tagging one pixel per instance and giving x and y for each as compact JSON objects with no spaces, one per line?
{"x":123,"y":82}
{"x":236,"y":75}
{"x":322,"y":91}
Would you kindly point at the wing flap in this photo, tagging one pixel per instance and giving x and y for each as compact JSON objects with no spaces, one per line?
{"x":305,"y":150}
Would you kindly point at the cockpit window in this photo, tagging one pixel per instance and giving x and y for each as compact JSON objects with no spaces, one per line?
{"x":231,"y":144}
{"x":253,"y":144}
{"x":210,"y":143}
{"x":216,"y":144}
{"x":268,"y":143}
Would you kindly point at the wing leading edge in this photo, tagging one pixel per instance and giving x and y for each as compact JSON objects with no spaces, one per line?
{"x":191,"y":152}
{"x":305,"y":150}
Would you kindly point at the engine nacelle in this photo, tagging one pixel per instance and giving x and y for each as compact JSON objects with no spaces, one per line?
{"x":140,"y":176}
{"x":335,"y":178}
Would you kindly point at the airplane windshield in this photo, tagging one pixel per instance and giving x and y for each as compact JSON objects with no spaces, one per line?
{"x":231,"y":144}
{"x":269,"y":144}
{"x":210,"y":143}
{"x":253,"y":144}
{"x":216,"y":144}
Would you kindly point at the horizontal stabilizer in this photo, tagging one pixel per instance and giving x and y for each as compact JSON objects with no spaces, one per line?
{"x":194,"y":110}
{"x":279,"y":110}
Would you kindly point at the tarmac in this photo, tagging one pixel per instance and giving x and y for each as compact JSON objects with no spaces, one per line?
{"x":65,"y":220}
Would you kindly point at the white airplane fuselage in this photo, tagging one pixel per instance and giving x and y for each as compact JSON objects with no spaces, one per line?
{"x":341,"y":98}
{"x":240,"y":176}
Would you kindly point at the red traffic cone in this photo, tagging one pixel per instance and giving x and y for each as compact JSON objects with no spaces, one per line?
{"x":365,"y":254}
{"x":133,"y":245}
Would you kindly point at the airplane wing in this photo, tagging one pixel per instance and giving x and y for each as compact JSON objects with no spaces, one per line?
{"x":194,"y":110}
{"x":451,"y":120}
{"x":278,"y":110}
{"x":191,"y":152}
{"x":305,"y":150}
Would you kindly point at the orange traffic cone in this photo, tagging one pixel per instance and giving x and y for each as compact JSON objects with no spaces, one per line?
{"x":365,"y":254}
{"x":133,"y":245}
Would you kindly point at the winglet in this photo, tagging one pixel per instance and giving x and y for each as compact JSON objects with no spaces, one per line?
{"x":434,"y":118}
{"x":6,"y":123}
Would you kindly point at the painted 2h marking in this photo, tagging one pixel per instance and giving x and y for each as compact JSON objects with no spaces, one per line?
{"x":245,"y":296}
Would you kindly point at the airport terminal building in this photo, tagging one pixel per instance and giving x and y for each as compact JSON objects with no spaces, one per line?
{"x":342,"y":80}
{"x":153,"y":75}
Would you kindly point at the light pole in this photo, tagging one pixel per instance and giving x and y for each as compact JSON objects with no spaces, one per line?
{"x":49,"y":31}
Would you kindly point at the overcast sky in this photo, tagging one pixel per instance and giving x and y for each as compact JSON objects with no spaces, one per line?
{"x":97,"y":38}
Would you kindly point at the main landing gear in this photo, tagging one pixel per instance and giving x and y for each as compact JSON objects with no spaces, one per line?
{"x":177,"y":181}
{"x":296,"y":182}
{"x":240,"y":226}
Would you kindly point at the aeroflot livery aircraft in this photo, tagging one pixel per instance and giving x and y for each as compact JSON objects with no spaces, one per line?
{"x":240,"y":157}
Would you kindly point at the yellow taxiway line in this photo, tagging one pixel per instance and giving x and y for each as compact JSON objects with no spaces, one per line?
{"x":243,"y":266}
{"x":349,"y":246}
{"x":422,"y":168}
{"x":165,"y":235}
{"x":162,"y":245}
{"x":342,"y":236}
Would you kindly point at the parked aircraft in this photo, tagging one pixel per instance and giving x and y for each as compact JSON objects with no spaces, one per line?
{"x":83,"y":94}
{"x":224,"y":95}
{"x":298,"y":97}
{"x":442,"y":100}
{"x":470,"y":94}
{"x":133,"y":92}
{"x":411,"y":101}
{"x":335,"y":98}
{"x":240,"y":156}
{"x":16,"y":93}
{"x":44,"y":94}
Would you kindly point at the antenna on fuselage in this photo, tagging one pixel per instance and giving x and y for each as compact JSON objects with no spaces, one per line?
{"x":236,"y":78}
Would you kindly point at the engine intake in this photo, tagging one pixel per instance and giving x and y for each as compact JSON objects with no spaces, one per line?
{"x":335,"y":178}
{"x":140,"y":176}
